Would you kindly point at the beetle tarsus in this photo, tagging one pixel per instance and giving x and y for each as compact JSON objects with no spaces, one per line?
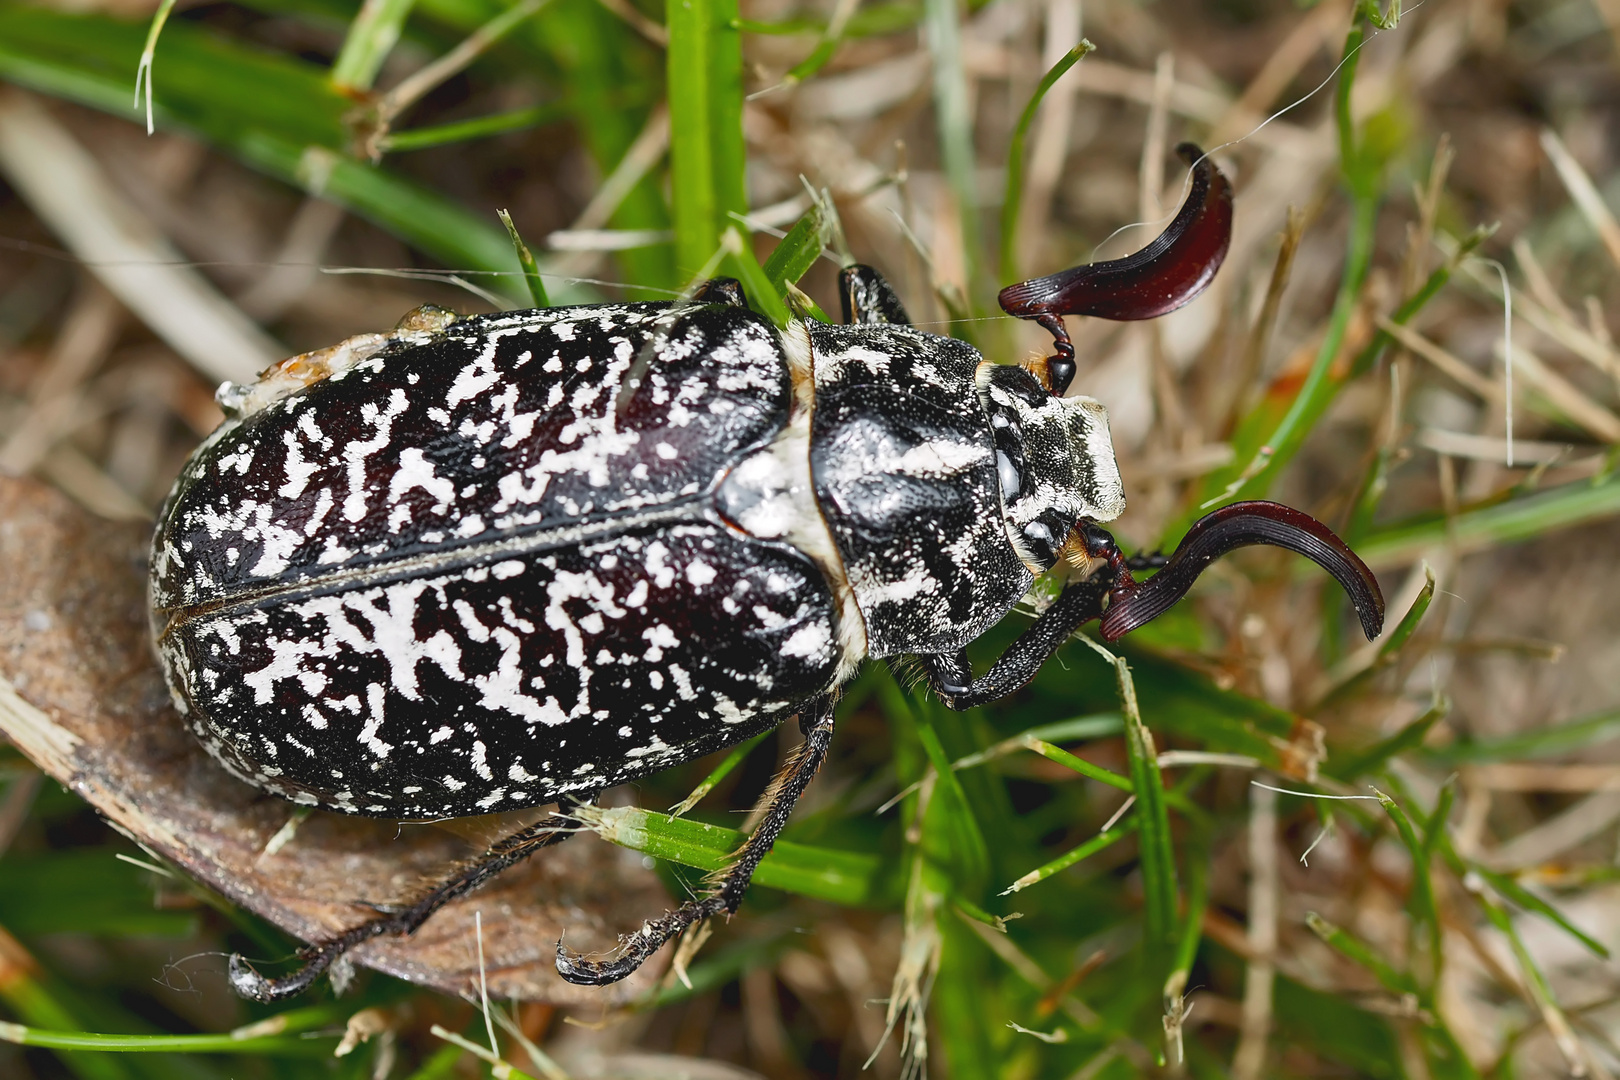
{"x":1241,"y":525}
{"x":637,"y":947}
{"x":401,"y":920}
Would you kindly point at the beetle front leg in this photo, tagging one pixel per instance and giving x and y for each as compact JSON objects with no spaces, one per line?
{"x":817,"y":723}
{"x":952,"y":678}
{"x":1081,"y":601}
{"x":502,"y":855}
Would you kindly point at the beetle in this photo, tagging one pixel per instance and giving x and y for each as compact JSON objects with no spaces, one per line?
{"x":496,"y":562}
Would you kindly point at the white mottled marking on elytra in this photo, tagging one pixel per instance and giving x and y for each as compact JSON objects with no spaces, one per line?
{"x":416,"y":471}
{"x":374,"y":721}
{"x":356,"y":451}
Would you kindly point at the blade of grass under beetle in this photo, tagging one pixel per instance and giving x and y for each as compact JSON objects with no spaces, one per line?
{"x":1158,"y":861}
{"x":287,"y":1041}
{"x":1012,"y":200}
{"x":842,"y":877}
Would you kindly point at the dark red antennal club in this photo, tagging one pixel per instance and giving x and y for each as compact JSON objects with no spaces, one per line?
{"x":1154,"y":281}
{"x":1243,"y":524}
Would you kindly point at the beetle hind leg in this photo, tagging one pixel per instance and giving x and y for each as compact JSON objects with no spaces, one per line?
{"x":817,"y":723}
{"x":319,"y":957}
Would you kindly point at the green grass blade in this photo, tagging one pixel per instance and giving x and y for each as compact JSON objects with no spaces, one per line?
{"x":1263,"y":448}
{"x":1079,"y":765}
{"x":1410,"y":737}
{"x":1426,"y":926}
{"x":797,"y":251}
{"x":842,"y":877}
{"x":1389,"y":651}
{"x":1158,"y":848}
{"x":372,"y":36}
{"x":954,"y":122}
{"x":762,"y":294}
{"x":719,"y":773}
{"x":143,"y":69}
{"x":1358,"y":952}
{"x":285,"y":119}
{"x":1104,"y":839}
{"x":477,"y":128}
{"x":243,"y":1041}
{"x":1494,"y":524}
{"x":1548,"y":742}
{"x":1522,"y":897}
{"x":952,"y":837}
{"x":531,"y":270}
{"x":1192,"y":927}
{"x":1012,"y":201}
{"x":705,"y":109}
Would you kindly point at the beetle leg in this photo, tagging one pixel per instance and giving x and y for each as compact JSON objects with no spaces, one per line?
{"x":817,"y":722}
{"x":952,"y":678}
{"x":1240,"y":525}
{"x":867,"y":297}
{"x":1154,"y":281}
{"x":502,"y":855}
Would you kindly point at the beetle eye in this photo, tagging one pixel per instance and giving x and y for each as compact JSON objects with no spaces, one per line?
{"x":1012,"y":481}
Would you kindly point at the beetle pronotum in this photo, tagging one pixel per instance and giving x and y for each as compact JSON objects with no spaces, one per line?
{"x":497,"y":562}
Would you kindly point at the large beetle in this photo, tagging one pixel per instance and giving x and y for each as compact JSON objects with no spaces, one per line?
{"x":490,"y":563}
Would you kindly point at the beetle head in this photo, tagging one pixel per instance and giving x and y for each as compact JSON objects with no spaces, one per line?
{"x":1054,"y":460}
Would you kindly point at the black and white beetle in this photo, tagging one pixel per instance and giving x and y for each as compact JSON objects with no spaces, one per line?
{"x":490,"y":563}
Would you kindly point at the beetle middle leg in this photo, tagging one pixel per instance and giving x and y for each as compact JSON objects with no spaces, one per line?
{"x":502,"y":855}
{"x":816,"y":721}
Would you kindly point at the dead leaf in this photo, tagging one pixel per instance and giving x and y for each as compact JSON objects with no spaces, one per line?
{"x":82,"y":696}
